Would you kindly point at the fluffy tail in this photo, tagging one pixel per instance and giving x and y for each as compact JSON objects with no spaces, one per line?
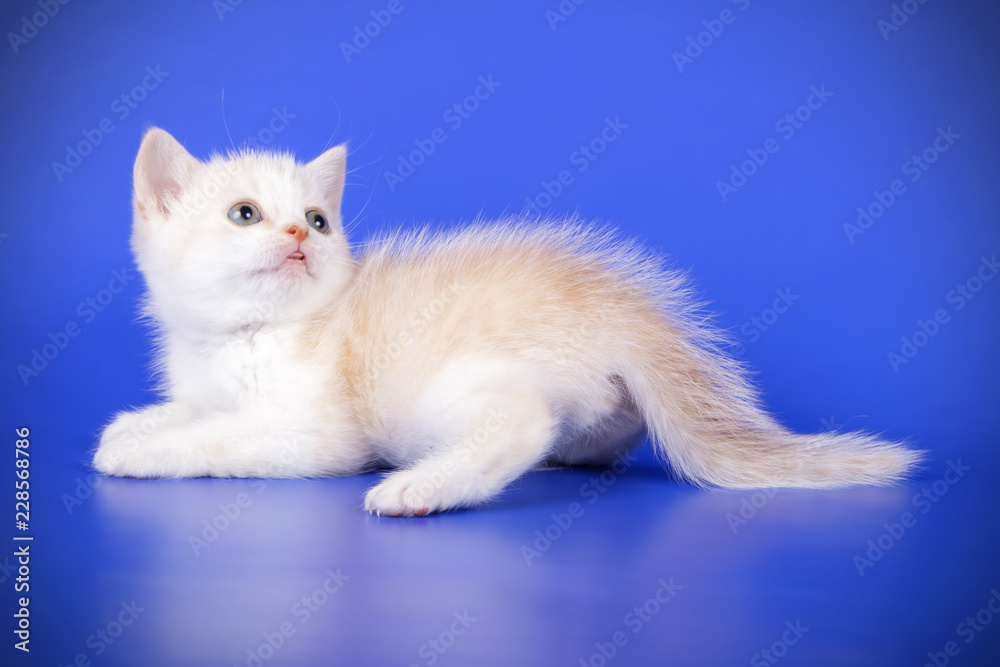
{"x":705,"y":418}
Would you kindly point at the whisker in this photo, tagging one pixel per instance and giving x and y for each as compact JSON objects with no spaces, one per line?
{"x":360,"y":167}
{"x":348,"y":226}
{"x":224,"y":123}
{"x":358,"y":222}
{"x":339,"y":118}
{"x":367,"y":139}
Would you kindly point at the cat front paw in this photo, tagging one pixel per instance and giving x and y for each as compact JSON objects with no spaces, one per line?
{"x":405,"y":493}
{"x":110,"y":459}
{"x":126,"y":447}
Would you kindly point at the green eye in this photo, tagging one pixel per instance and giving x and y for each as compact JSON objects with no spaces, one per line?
{"x":318,"y":222}
{"x":244,"y":214}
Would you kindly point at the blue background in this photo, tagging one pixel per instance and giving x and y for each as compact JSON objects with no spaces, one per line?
{"x":823,"y":363}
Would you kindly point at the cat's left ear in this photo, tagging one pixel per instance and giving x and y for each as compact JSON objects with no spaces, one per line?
{"x":328,"y":172}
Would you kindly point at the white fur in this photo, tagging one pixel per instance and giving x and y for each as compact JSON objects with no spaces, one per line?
{"x":462,"y":359}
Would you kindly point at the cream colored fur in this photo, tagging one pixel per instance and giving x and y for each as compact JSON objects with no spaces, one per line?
{"x":461,"y":359}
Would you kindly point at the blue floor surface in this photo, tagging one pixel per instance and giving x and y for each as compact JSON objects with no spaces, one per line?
{"x":569,"y":566}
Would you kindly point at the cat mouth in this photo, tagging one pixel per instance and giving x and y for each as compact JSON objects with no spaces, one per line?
{"x":295,"y":262}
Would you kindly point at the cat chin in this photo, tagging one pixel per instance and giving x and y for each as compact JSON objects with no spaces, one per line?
{"x":296,"y":293}
{"x":248,"y":299}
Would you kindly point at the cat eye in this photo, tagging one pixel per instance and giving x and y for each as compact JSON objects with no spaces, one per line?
{"x":318,"y":222}
{"x":244,"y":214}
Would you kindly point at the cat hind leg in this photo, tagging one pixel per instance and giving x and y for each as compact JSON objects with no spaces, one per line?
{"x":491,"y":434}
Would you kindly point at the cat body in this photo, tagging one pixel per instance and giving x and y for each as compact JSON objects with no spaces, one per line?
{"x":461,"y":359}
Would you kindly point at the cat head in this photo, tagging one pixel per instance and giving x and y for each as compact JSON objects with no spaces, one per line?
{"x":237,"y":240}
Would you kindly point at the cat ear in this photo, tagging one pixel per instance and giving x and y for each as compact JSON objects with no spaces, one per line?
{"x":162,"y":169}
{"x":328,"y":171}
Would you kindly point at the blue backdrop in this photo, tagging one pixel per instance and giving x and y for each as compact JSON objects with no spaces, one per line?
{"x":826,"y":171}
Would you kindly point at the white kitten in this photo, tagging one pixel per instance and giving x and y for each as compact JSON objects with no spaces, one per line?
{"x":463,"y":359}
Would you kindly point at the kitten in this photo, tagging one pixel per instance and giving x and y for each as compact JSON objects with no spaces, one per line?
{"x":463,"y":359}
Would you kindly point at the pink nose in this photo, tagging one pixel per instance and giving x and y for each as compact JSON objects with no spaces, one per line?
{"x":298,"y":232}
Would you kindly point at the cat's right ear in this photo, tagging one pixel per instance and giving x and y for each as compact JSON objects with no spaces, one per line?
{"x":162,"y":169}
